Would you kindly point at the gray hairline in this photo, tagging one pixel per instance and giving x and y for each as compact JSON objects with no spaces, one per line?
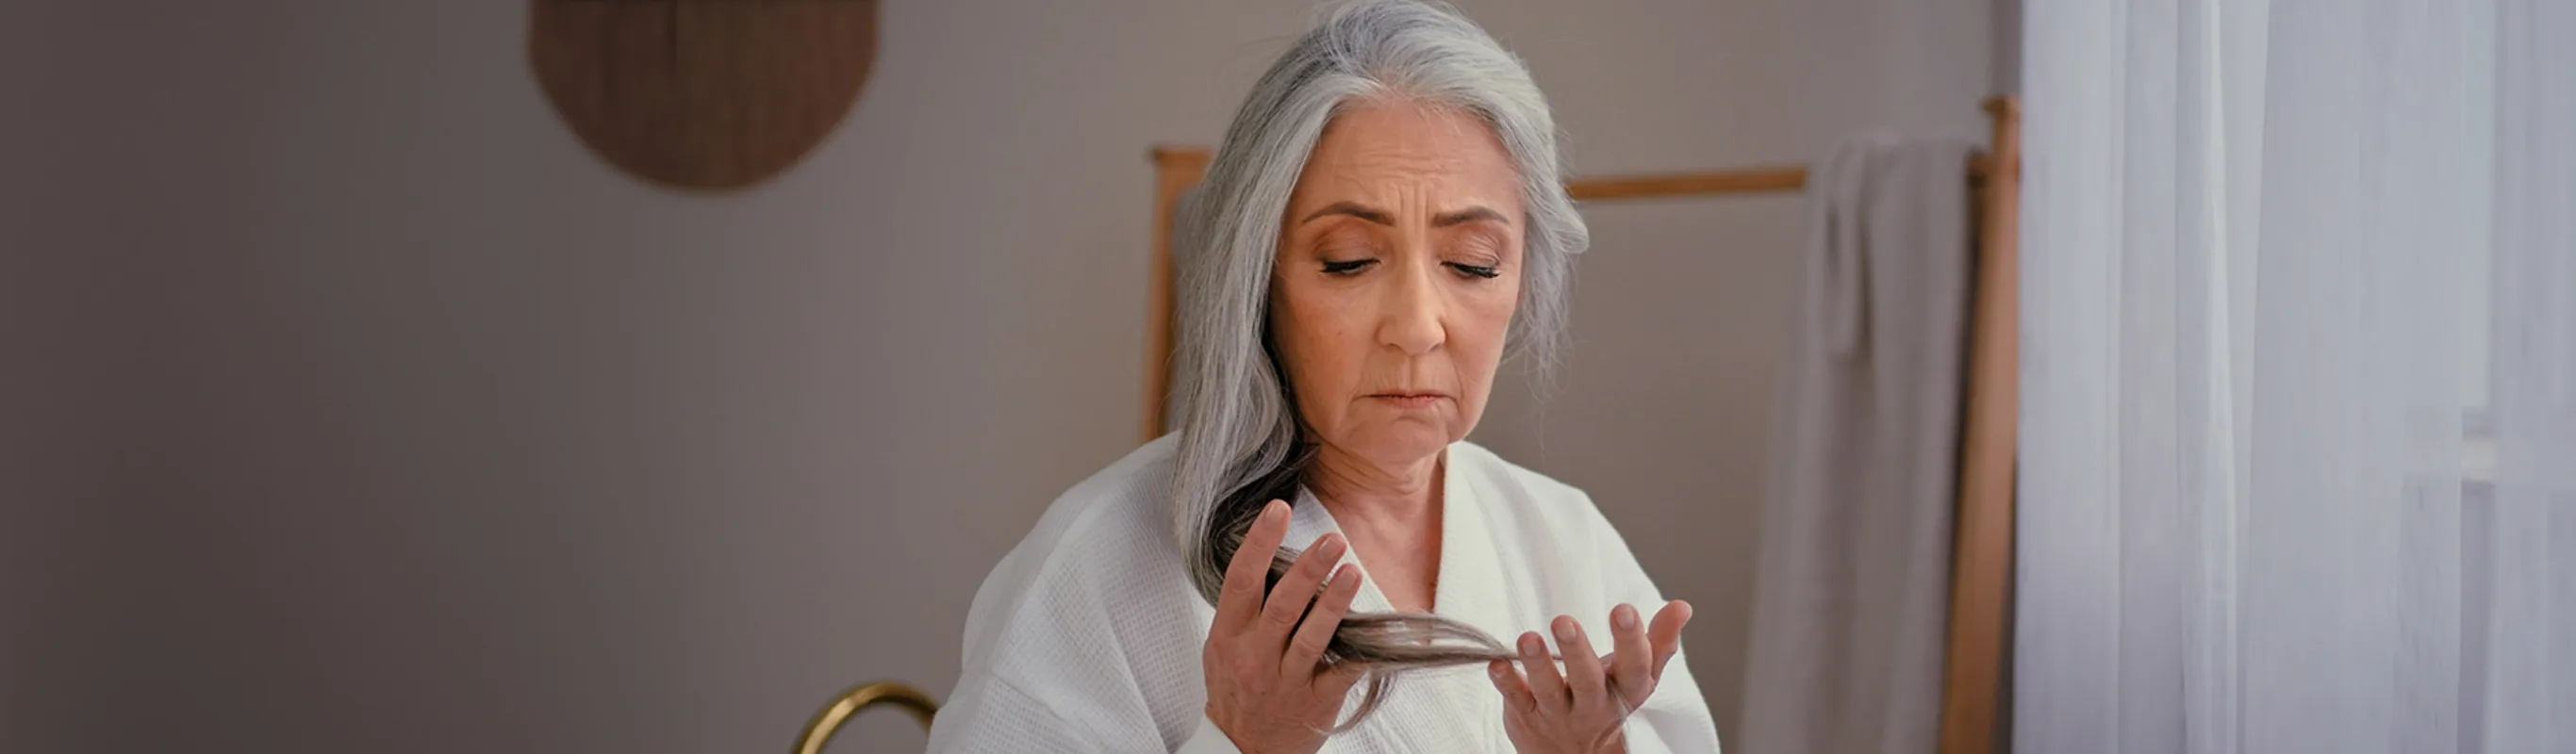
{"x":1236,"y":417}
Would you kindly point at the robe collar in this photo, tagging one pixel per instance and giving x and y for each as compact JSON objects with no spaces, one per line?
{"x":1467,"y":587}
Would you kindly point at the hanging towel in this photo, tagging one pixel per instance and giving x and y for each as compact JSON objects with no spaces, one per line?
{"x":1851,"y":596}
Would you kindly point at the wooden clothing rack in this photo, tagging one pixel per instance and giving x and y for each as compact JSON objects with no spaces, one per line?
{"x":1981,"y":557}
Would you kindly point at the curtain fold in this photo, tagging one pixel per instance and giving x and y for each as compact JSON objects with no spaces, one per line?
{"x":2291,"y":270}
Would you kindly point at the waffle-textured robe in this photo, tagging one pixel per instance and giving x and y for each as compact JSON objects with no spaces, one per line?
{"x":1087,"y":636}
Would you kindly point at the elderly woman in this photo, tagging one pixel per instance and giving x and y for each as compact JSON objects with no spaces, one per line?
{"x":1383,"y":223}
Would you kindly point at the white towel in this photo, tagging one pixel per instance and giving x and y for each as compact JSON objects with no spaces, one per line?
{"x":1851,"y":599}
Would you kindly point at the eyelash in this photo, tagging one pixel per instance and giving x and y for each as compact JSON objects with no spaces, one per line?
{"x":1353,"y":267}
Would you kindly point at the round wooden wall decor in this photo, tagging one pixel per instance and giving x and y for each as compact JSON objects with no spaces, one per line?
{"x":705,"y":94}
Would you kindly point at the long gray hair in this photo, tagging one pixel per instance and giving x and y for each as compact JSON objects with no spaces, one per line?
{"x":1241,"y":443}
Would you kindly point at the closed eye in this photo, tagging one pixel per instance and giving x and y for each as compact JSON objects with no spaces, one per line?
{"x":1485,"y":272}
{"x":1351,"y":267}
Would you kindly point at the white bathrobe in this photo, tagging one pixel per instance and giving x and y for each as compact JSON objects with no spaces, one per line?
{"x":1086,"y":637}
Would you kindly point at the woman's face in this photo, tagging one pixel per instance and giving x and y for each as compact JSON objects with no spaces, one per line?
{"x":1399,"y":267}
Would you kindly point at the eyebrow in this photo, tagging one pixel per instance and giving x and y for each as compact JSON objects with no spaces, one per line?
{"x":1378,"y":216}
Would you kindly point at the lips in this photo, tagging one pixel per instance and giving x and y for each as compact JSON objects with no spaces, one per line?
{"x":1410,"y":399}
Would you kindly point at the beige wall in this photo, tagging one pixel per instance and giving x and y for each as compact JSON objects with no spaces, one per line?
{"x":352,"y":404}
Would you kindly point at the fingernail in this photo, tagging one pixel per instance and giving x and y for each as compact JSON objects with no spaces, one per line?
{"x":1496,"y":669}
{"x":1624,"y":617}
{"x":1564,"y":630}
{"x":1271,"y":513}
{"x":1530,"y":643}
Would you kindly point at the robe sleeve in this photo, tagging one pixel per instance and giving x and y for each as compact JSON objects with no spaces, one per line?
{"x":1085,"y":710}
{"x":1054,"y":673}
{"x":991,"y":716}
{"x":1086,"y":637}
{"x":1675,"y":719}
{"x":1208,"y":740}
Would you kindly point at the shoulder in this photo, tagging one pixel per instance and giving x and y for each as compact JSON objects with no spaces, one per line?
{"x":1106,"y":531}
{"x":1521,"y":491}
{"x":1092,"y":615}
{"x":1553,"y":520}
{"x":1126,"y":499}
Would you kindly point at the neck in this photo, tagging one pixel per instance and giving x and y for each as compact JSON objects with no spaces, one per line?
{"x":1355,"y":488}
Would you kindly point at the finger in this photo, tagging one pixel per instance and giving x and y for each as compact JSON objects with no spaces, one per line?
{"x":1516,"y":691}
{"x":1546,"y":687}
{"x":1240,"y":600}
{"x":1666,"y":634}
{"x":1583,"y":681}
{"x":1315,"y":634}
{"x":1289,"y":598}
{"x":1632,"y":665}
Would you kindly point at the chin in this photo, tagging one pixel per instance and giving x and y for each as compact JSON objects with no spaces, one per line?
{"x":1404,"y":442}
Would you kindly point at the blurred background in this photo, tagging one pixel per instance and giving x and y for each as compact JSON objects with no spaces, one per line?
{"x":351,"y":402}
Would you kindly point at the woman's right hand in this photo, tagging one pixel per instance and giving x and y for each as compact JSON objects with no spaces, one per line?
{"x":1268,"y":688}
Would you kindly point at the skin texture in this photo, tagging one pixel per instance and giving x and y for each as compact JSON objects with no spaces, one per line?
{"x":1267,"y":687}
{"x":1397,"y":273}
{"x":1581,"y":708}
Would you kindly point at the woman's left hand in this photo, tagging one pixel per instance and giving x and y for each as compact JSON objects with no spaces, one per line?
{"x":1583,"y":709}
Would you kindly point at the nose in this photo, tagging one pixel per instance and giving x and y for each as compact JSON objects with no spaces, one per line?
{"x":1410,"y":317}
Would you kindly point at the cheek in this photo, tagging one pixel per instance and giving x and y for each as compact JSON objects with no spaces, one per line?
{"x":1484,"y":318}
{"x":1312,"y":337}
{"x":1477,"y":334}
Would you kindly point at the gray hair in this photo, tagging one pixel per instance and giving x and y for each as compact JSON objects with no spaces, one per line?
{"x":1241,"y":442}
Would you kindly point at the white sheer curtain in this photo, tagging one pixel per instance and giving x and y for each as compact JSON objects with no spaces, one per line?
{"x":2299,"y":414}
